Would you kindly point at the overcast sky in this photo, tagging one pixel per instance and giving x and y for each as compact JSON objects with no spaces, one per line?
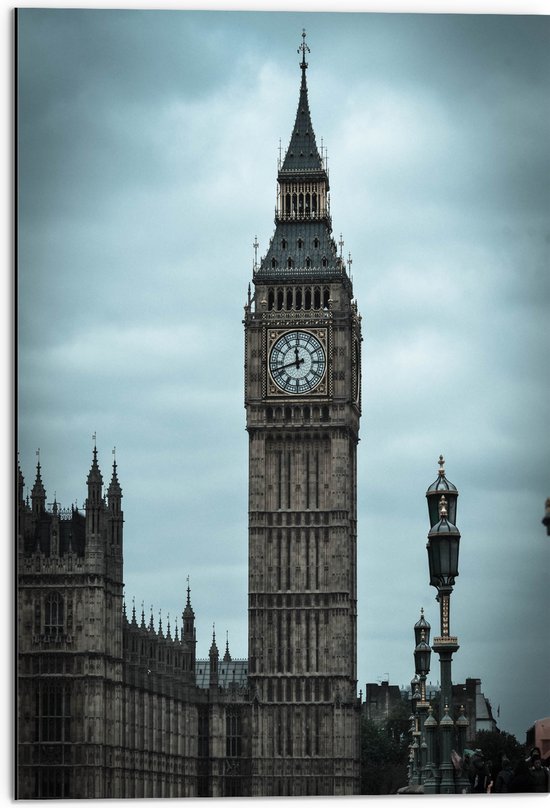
{"x":148,"y":145}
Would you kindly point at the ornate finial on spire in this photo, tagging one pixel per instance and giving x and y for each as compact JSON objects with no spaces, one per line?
{"x":341,"y":245}
{"x":349,"y":263}
{"x":142,"y":615}
{"x":151,"y":620}
{"x":303,"y":48}
{"x":442,"y":507}
{"x":160,"y":623}
{"x":133,"y":609}
{"x":188,"y":593}
{"x":441,"y":463}
{"x":176,"y":633}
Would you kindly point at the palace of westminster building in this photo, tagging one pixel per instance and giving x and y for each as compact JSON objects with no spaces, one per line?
{"x":110,"y":705}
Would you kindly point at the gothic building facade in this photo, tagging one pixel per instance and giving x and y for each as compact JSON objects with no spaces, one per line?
{"x":110,"y":705}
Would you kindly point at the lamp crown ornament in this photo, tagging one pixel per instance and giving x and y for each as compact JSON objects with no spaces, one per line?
{"x":443,"y":507}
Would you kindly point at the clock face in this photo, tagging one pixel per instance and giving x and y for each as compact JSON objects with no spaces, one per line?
{"x":297,"y":362}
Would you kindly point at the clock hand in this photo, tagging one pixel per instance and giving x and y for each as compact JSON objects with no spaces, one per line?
{"x":295,"y":362}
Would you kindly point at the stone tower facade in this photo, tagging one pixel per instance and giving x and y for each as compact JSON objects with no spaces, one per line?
{"x":302,"y":398}
{"x":70,"y":629}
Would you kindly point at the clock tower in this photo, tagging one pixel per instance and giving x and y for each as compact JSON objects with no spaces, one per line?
{"x":303,"y":404}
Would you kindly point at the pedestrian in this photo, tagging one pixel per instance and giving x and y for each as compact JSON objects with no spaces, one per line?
{"x":521,"y":782}
{"x":539,"y":776}
{"x":479,"y":775}
{"x":503,"y":778}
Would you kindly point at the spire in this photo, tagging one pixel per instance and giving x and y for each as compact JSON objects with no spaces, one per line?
{"x":214,"y":657}
{"x":227,"y":655}
{"x":214,"y":647}
{"x":94,"y":480}
{"x":134,"y":621}
{"x":188,"y":617}
{"x":302,"y":246}
{"x":302,"y":154}
{"x":114,"y":492}
{"x":38,"y":493}
{"x":142,"y":625}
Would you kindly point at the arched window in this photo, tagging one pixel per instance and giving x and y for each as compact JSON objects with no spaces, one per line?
{"x":54,"y":614}
{"x":273,"y":263}
{"x":271,"y":299}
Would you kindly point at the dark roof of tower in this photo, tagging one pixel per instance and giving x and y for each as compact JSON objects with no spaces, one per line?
{"x":301,"y":249}
{"x":302,"y":155}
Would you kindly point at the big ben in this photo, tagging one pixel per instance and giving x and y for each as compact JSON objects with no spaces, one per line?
{"x":303,"y":406}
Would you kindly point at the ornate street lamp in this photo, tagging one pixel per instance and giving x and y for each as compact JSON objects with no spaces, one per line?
{"x":422,"y":656}
{"x":443,"y":546}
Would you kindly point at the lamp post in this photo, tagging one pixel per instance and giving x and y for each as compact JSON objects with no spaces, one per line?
{"x":422,"y":656}
{"x":443,"y":545}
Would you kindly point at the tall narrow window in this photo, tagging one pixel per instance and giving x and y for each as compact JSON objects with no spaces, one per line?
{"x":53,"y":614}
{"x":53,"y":713}
{"x":233,"y":733}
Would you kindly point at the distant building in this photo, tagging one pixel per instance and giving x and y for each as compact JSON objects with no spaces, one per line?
{"x":382,"y":700}
{"x":539,"y":735}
